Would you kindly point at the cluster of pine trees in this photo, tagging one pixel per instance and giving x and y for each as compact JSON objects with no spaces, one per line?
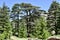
{"x":25,"y":20}
{"x":28,"y":21}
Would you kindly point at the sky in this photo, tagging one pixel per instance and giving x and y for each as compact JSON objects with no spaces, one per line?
{"x":44,"y":4}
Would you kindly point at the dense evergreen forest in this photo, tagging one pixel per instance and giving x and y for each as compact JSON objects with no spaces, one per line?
{"x":29,"y":21}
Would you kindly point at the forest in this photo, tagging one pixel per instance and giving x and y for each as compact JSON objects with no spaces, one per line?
{"x":25,"y":20}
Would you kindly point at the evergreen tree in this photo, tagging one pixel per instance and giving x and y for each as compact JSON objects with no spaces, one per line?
{"x":28,"y":9}
{"x":15,"y":13}
{"x":58,"y":21}
{"x":52,"y":16}
{"x":5,"y":25}
{"x":22,"y":29}
{"x":40,"y":29}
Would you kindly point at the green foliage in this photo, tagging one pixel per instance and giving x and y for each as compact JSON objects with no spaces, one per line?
{"x":30,"y":21}
{"x":54,"y":13}
{"x":5,"y":25}
{"x":22,"y":30}
{"x":46,"y":34}
{"x":40,"y":29}
{"x":2,"y":36}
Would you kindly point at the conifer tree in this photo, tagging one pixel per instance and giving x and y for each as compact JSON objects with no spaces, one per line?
{"x":5,"y":25}
{"x":22,"y":29}
{"x":40,"y":29}
{"x":53,"y":16}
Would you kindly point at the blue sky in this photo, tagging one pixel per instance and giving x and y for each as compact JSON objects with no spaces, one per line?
{"x":44,"y":4}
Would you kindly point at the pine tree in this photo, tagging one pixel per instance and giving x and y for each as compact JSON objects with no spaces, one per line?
{"x":40,"y":29}
{"x":58,"y":21}
{"x":22,"y":29}
{"x":5,"y":26}
{"x":52,"y":16}
{"x":44,"y":31}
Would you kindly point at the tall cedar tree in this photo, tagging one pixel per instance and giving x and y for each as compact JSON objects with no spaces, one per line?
{"x":26,"y":8}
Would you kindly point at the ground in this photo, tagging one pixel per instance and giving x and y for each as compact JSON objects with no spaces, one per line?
{"x":16,"y":38}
